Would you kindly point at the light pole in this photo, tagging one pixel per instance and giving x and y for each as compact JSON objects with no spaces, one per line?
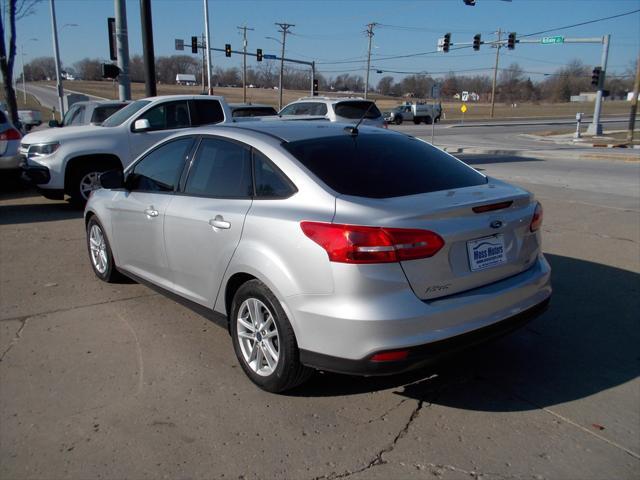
{"x":24,"y":79}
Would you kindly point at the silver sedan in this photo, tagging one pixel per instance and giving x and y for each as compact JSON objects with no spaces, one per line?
{"x":323,"y":246}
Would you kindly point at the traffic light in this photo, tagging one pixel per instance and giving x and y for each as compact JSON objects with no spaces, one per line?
{"x":596,"y":77}
{"x":259,"y":55}
{"x":447,"y":42}
{"x":476,"y":42}
{"x":194,"y":44}
{"x":109,"y":70}
{"x":315,"y":87}
{"x":227,"y":49}
{"x":511,"y":41}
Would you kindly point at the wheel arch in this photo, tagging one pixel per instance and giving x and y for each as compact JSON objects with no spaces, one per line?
{"x":106,"y":159}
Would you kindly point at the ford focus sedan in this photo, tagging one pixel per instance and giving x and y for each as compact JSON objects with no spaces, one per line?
{"x":323,"y":246}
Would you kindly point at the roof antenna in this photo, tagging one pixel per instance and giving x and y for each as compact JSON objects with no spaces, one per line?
{"x":353,"y":131}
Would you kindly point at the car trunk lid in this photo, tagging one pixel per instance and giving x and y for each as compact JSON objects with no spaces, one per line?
{"x":481,"y":247}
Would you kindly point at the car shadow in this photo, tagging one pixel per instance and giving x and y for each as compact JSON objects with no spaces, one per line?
{"x":585,"y":343}
{"x":41,"y":210}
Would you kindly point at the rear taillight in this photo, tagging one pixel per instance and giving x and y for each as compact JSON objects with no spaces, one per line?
{"x":11,"y":134}
{"x":358,"y":244}
{"x":536,"y":221}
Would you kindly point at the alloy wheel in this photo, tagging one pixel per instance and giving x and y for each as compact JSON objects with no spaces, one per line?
{"x":258,"y":337}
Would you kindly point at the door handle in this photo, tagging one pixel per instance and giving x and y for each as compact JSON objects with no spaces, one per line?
{"x":219,"y":222}
{"x":150,"y":212}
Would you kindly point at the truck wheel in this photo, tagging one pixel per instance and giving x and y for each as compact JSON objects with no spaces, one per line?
{"x":427,"y":120}
{"x":85,"y":179}
{"x":416,"y":120}
{"x":398,"y":120}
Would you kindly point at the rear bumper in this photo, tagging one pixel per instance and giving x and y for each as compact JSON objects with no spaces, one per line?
{"x":10,"y":162}
{"x":354,"y":325}
{"x":421,"y":355}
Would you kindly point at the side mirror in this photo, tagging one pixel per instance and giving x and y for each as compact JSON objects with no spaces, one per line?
{"x":141,"y":125}
{"x":112,"y":179}
{"x":54,"y":124}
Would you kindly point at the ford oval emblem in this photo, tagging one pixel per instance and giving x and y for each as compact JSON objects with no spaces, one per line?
{"x":496,"y":224}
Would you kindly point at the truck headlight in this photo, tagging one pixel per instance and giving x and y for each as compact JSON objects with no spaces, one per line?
{"x":37,"y":150}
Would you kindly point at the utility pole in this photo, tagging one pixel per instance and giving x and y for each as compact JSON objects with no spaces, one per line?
{"x":24,"y":80}
{"x":595,"y":127}
{"x":498,"y":45}
{"x":122,"y":47}
{"x":56,"y":54}
{"x":634,"y":103}
{"x":244,"y":61}
{"x":207,"y":45}
{"x":284,"y":29}
{"x":147,"y":49}
{"x":370,"y":35}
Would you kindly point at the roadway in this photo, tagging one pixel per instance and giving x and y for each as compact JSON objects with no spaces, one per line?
{"x":48,"y":96}
{"x":504,"y":134}
{"x":118,"y":381}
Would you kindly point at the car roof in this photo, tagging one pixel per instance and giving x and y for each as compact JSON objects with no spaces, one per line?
{"x":332,"y":99}
{"x":184,"y":97}
{"x":249,"y":105}
{"x":291,"y":131}
{"x":101,"y":102}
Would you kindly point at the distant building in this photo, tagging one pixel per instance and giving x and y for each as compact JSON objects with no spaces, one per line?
{"x":186,"y":79}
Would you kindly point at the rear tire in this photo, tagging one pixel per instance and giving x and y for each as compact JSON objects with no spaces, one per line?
{"x":416,"y":120}
{"x":264,"y":341}
{"x":427,"y":120}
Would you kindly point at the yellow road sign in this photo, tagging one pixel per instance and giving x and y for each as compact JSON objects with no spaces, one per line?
{"x":463,"y":108}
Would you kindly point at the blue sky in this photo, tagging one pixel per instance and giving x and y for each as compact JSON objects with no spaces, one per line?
{"x":333,"y":30}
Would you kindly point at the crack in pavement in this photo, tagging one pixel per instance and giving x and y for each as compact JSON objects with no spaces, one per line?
{"x":38,"y":314}
{"x":16,"y":338}
{"x":378,"y":458}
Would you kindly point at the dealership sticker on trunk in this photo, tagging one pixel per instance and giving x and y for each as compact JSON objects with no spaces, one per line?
{"x":486,"y":252}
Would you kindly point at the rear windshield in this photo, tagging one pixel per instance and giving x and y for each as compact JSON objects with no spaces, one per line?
{"x":382,"y":165}
{"x":123,"y":115}
{"x":254,"y":111}
{"x":100,"y":114}
{"x":355,"y":110}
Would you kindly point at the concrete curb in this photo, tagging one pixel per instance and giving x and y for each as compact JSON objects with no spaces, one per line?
{"x":544,"y":154}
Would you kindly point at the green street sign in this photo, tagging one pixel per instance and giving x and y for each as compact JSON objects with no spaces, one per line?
{"x":549,"y":40}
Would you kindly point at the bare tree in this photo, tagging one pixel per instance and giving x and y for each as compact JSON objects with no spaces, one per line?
{"x":40,"y":68}
{"x":15,"y":10}
{"x":89,"y":68}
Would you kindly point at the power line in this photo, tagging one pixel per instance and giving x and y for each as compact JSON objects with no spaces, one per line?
{"x":583,"y":23}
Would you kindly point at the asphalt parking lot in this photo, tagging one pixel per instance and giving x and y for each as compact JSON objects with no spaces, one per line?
{"x":118,"y":381}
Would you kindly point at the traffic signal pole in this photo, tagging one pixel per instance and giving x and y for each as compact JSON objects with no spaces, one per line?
{"x":595,"y":128}
{"x":208,"y":44}
{"x":122,"y":46}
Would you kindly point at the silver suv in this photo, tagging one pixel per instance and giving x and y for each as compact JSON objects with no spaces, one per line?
{"x":337,"y":109}
{"x":320,"y":246}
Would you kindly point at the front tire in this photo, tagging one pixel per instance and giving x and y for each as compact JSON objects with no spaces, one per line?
{"x":398,"y":120}
{"x":85,"y":179}
{"x":264,"y":341}
{"x":100,"y":254}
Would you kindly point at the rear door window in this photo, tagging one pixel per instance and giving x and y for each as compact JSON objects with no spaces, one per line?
{"x":384,"y":165}
{"x":355,"y":110}
{"x":205,"y":112}
{"x":221,"y":169}
{"x":254,"y":111}
{"x":302,"y":108}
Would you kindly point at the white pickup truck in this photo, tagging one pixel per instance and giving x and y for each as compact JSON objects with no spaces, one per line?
{"x":418,"y":112}
{"x":70,"y":160}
